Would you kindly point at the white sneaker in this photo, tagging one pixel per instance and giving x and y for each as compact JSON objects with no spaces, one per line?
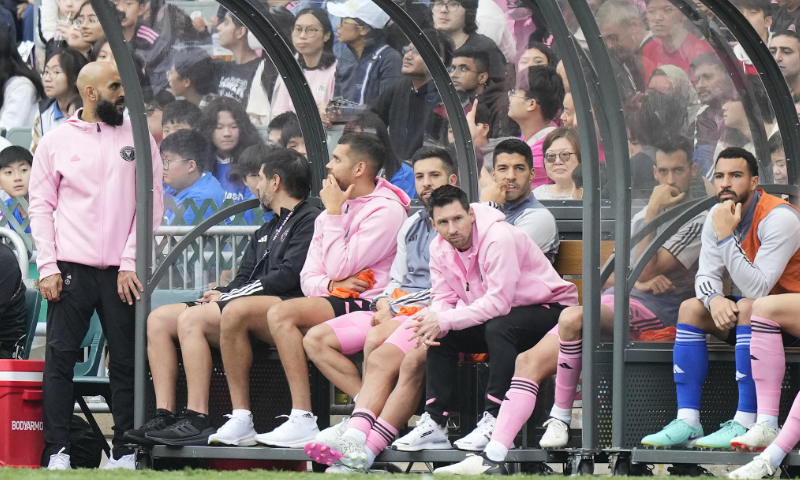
{"x":59,"y":461}
{"x":759,"y":437}
{"x":473,"y":465}
{"x":427,"y":435}
{"x":237,"y":431}
{"x":333,"y":432}
{"x":556,"y":435}
{"x":477,"y":440}
{"x":341,"y":451}
{"x":759,"y":468}
{"x":125,"y":462}
{"x":294,"y":433}
{"x":343,"y":469}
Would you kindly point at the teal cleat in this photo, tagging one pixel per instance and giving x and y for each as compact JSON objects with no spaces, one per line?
{"x":677,"y":434}
{"x":722,"y":437}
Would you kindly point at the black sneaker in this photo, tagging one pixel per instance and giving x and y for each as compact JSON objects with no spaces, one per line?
{"x":159,"y":421}
{"x":192,"y":429}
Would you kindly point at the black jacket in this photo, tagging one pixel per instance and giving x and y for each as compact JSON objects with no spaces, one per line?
{"x":275,"y":255}
{"x":412,"y":116}
{"x":13,"y":311}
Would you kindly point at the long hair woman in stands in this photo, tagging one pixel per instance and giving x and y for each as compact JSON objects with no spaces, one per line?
{"x":60,"y":78}
{"x":227,"y":125}
{"x":20,"y":87}
{"x":312,"y":37}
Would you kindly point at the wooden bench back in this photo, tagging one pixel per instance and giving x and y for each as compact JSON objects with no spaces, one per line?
{"x":569,"y":261}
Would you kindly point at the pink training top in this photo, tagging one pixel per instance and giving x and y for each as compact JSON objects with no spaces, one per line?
{"x":87,"y":171}
{"x":506,"y":269}
{"x":320,"y":81}
{"x":540,"y":174}
{"x":363,"y":237}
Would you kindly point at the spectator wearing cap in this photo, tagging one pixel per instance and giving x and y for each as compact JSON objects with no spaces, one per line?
{"x":368,"y":66}
{"x":194,"y":76}
{"x":457,"y":19}
{"x":410,"y":107}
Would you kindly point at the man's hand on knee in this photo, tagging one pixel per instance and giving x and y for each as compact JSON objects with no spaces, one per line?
{"x":723,"y":312}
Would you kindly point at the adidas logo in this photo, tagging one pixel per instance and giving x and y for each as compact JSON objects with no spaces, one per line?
{"x":565,"y":365}
{"x":308,"y":415}
{"x":740,"y":375}
{"x":677,"y":369}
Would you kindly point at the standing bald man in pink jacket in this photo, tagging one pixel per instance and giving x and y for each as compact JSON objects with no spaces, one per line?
{"x":86,"y":171}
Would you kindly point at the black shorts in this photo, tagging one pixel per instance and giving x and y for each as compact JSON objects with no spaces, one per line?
{"x":223,"y":303}
{"x":343,"y":306}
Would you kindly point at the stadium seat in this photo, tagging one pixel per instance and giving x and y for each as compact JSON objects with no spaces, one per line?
{"x":22,"y":137}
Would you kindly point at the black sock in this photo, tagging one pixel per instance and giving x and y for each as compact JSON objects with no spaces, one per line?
{"x":198,"y":420}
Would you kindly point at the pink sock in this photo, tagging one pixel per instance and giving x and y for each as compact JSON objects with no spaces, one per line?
{"x":380,"y":436}
{"x":768,"y":362}
{"x":790,"y":434}
{"x":515,"y":410}
{"x":568,"y":373}
{"x":362,"y":420}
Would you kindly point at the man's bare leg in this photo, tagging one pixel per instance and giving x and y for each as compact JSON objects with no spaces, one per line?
{"x":242,"y":318}
{"x":405,"y":398}
{"x":288,"y":322}
{"x":324,"y":349}
{"x":198,"y":331}
{"x":377,"y":336}
{"x":162,"y":331}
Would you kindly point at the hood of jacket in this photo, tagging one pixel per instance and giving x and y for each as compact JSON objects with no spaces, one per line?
{"x":384,"y":189}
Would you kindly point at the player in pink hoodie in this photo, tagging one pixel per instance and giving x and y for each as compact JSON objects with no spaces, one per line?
{"x":86,"y":170}
{"x":356,"y":232}
{"x":493,"y":291}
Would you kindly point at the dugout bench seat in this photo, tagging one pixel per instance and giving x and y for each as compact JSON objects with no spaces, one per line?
{"x":269,"y":398}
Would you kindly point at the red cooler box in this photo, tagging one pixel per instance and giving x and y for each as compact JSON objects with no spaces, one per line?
{"x":21,"y":432}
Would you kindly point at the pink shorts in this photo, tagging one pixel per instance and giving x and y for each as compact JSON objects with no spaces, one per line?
{"x":399,"y":337}
{"x":641,"y":318}
{"x":351,"y":330}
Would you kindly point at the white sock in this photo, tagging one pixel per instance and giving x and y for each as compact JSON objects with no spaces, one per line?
{"x":770,"y":420}
{"x":495,"y":451}
{"x":776,"y":455}
{"x":241,"y":413}
{"x":563,"y":414}
{"x":355,"y":399}
{"x":745,"y":419}
{"x":356,"y":435}
{"x":690,"y":416}
{"x":370,"y":457}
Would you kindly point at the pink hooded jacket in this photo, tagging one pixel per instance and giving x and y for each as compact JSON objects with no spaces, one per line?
{"x":364,"y":236}
{"x":506,"y":269}
{"x":87,"y":173}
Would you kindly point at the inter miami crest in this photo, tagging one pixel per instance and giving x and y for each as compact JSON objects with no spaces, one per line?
{"x":127,"y":153}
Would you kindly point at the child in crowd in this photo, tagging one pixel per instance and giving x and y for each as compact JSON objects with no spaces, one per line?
{"x":179,"y":115}
{"x":15,"y":173}
{"x":187,"y":161}
{"x":226,"y":123}
{"x":280,"y":123}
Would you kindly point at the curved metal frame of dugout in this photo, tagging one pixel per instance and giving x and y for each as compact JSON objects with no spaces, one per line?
{"x":257,"y":19}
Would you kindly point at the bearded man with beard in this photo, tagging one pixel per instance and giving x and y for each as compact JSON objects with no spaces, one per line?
{"x":753,"y":236}
{"x":86,"y":170}
{"x":268,"y":274}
